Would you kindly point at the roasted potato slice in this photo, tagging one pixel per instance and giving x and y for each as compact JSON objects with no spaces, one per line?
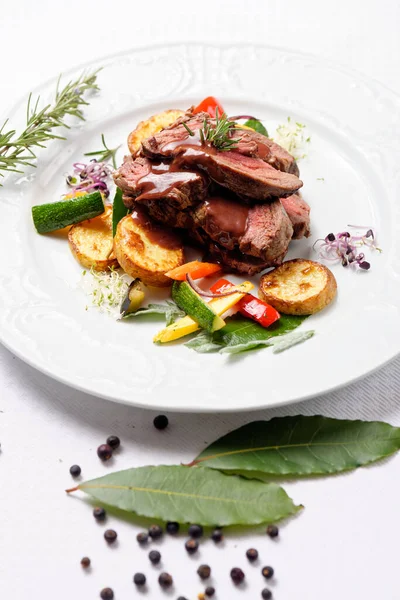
{"x":298,"y":287}
{"x":151,"y":126}
{"x":140,"y":255}
{"x":91,"y":242}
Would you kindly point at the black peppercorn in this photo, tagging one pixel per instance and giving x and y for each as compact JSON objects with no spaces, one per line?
{"x":85,"y":562}
{"x":161,"y":422}
{"x":154,"y":557}
{"x":75,"y":470}
{"x":195,"y":531}
{"x":182,"y":598}
{"x":155,"y":532}
{"x":99,"y":513}
{"x":113,"y":441}
{"x":267,"y":572}
{"x":237,"y":575}
{"x":172,"y":527}
{"x":142,"y":537}
{"x":204,"y":571}
{"x":192,"y":546}
{"x":252,"y":554}
{"x":272,"y":531}
{"x":165,"y":580}
{"x":209,"y":591}
{"x":139,"y":579}
{"x":107,"y":594}
{"x":266,"y":594}
{"x":217,"y":536}
{"x":110,"y":536}
{"x":104,"y":452}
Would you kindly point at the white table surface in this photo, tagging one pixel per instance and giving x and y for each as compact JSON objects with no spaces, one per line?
{"x":345,"y":543}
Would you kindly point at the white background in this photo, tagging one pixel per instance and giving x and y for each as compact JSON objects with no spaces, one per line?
{"x":345,"y":543}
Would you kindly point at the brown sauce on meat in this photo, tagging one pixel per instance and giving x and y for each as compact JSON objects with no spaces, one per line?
{"x":161,"y":180}
{"x":157,"y":234}
{"x":226,"y":216}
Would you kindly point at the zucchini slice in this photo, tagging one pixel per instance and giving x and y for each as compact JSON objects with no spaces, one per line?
{"x":57,"y":215}
{"x":189,"y":301}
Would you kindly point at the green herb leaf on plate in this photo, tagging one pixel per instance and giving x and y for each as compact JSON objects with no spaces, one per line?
{"x":169,"y":310}
{"x":119,"y":210}
{"x":301,"y":446}
{"x":240,"y":334}
{"x":203,"y":496}
{"x":257,"y":126}
{"x":290,"y":340}
{"x":203,"y":342}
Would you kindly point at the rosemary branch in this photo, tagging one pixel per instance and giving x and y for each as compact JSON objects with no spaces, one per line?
{"x":18,"y":150}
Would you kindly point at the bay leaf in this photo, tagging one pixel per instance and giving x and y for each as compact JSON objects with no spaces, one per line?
{"x":301,"y":445}
{"x":198,"y":495}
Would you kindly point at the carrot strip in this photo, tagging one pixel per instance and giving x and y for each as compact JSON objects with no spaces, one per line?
{"x":194,"y":268}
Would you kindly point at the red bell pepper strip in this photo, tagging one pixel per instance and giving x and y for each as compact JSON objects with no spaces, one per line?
{"x":209,"y":105}
{"x":249,"y":306}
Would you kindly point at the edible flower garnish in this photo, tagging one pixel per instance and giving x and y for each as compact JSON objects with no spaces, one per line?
{"x":91,"y":176}
{"x":344,"y":247}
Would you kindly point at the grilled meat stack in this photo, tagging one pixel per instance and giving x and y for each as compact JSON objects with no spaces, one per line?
{"x":242,"y":206}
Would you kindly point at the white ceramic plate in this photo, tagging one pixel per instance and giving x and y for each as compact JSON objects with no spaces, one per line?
{"x":350,"y":175}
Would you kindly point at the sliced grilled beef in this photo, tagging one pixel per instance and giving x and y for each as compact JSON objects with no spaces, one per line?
{"x":165,"y":143}
{"x":223,"y":219}
{"x":299,"y":214}
{"x":143,"y":180}
{"x":268,"y":233}
{"x":234,"y":261}
{"x":263,"y":231}
{"x":164,"y":212}
{"x":253,"y":143}
{"x":241,"y":173}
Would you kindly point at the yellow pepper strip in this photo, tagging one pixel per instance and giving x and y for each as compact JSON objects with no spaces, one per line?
{"x":187,"y":325}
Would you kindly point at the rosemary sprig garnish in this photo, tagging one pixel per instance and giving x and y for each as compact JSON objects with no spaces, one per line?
{"x":219,"y":134}
{"x":190,"y":132}
{"x":19,"y":151}
{"x":105,"y":154}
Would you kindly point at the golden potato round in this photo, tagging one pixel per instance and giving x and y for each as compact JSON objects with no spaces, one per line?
{"x":91,"y":242}
{"x":140,"y":255}
{"x":151,"y":126}
{"x":298,"y":287}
